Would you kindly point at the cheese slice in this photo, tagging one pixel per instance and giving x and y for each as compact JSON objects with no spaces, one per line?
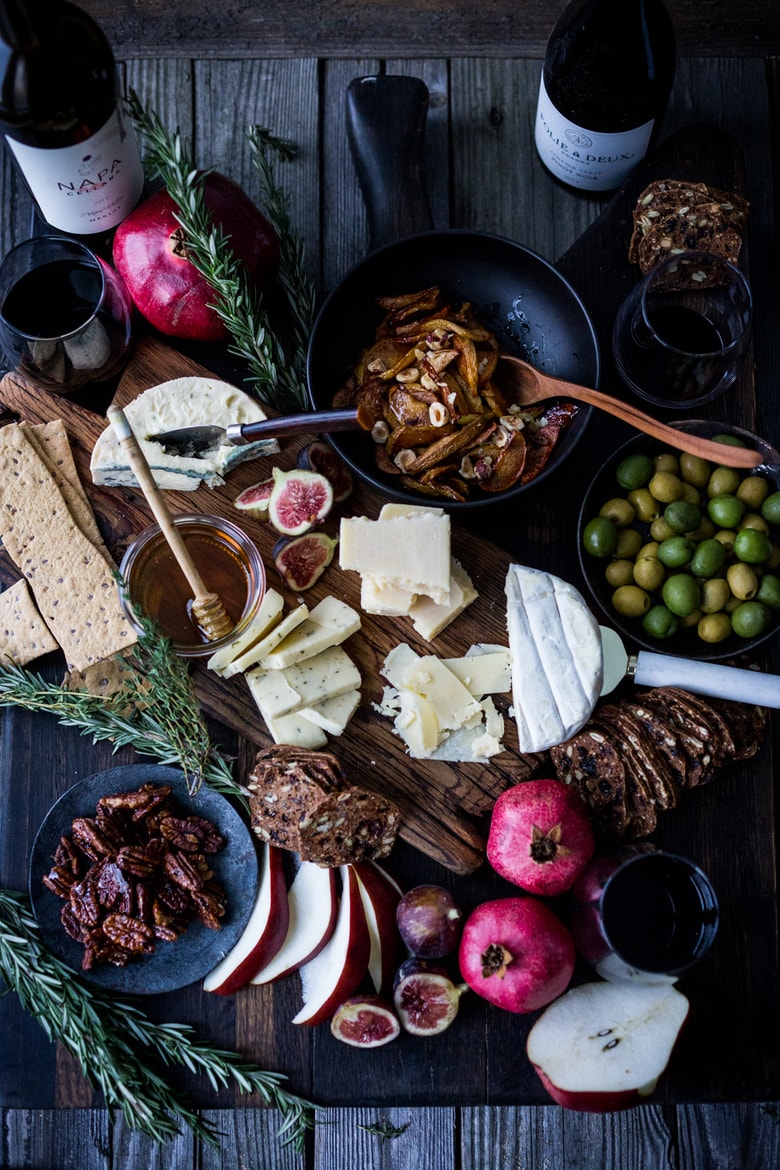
{"x":306,"y":684}
{"x":329,"y":624}
{"x":452,"y":703}
{"x":557,"y":659}
{"x":267,"y":616}
{"x":483,"y":674}
{"x":429,"y":617}
{"x":268,"y":643}
{"x":181,"y":402}
{"x":295,"y":729}
{"x":417,"y":725}
{"x":396,"y":662}
{"x":385,"y":598}
{"x":333,"y":715}
{"x":412,"y":551}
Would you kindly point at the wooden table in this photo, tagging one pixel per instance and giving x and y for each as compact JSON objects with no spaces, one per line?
{"x":483,"y":173}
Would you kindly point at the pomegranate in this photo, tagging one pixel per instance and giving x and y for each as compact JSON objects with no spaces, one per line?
{"x":150,"y":255}
{"x":540,"y":836}
{"x":515,"y":953}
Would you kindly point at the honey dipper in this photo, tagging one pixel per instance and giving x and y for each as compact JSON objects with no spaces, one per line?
{"x":207,"y":607}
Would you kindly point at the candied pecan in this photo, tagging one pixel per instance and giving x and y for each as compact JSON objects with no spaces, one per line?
{"x":144,"y":901}
{"x":181,"y":869}
{"x":208,"y":908}
{"x":67,"y":854}
{"x":72,"y":926}
{"x":172,"y":897}
{"x":113,"y":888}
{"x":84,"y":902}
{"x":140,"y":803}
{"x":166,"y":933}
{"x":137,"y":860}
{"x":191,"y":834}
{"x":129,"y":933}
{"x":59,"y":880}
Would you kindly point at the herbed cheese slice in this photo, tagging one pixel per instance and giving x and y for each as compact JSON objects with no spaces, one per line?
{"x":412,"y":551}
{"x":429,"y":617}
{"x":179,"y":403}
{"x":267,"y":616}
{"x":295,"y":729}
{"x":268,"y":643}
{"x":333,"y":715}
{"x":329,"y":624}
{"x":325,"y":676}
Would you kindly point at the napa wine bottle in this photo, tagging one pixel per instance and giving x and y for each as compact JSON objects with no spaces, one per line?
{"x":62,"y":118}
{"x":607,"y":75}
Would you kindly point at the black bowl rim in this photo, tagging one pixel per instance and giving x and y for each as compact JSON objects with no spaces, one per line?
{"x":384,"y":484}
{"x":680,"y":645}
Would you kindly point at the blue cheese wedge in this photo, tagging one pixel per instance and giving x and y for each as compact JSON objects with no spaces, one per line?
{"x":181,"y":402}
{"x":557,"y":662}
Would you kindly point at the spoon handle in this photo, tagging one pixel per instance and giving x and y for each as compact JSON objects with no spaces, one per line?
{"x":723,"y":453}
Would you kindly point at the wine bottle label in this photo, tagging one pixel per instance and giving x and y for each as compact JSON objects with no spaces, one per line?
{"x":587,"y":159}
{"x":87,"y":188}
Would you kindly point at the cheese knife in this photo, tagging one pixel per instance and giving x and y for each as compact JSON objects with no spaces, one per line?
{"x":207,"y":437}
{"x":648,"y":669}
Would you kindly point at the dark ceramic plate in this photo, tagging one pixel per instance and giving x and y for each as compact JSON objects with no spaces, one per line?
{"x":174,"y":964}
{"x":604,"y":486}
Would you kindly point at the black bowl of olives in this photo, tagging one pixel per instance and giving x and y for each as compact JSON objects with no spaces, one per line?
{"x":682,"y":555}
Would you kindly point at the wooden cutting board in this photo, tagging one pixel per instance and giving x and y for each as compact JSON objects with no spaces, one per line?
{"x":441,"y":804}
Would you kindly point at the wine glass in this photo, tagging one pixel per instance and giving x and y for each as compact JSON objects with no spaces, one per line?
{"x":65,"y":315}
{"x":680,"y":335}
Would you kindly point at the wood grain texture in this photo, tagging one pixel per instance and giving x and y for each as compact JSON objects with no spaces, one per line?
{"x":352,"y":28}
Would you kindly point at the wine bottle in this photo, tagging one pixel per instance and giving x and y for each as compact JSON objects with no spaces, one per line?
{"x":62,"y":118}
{"x":607,"y":74}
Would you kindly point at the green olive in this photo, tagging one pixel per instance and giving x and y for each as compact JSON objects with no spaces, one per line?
{"x":665,"y":486}
{"x":599,"y":537}
{"x":661,"y":529}
{"x":769,"y":591}
{"x":754,"y":520}
{"x":694,"y":469}
{"x":619,"y":572}
{"x":705,"y":530}
{"x":682,"y":516}
{"x":649,"y":573}
{"x":646,"y":507}
{"x":724,"y":481}
{"x":752,"y":546}
{"x":681,"y":594}
{"x":618,"y":510}
{"x":675,"y":551}
{"x":742,"y":580}
{"x":750,"y":619}
{"x":689,"y":621}
{"x":714,"y":627}
{"x":715,"y":594}
{"x":630,"y":601}
{"x":754,"y":489}
{"x":634,"y":471}
{"x":629,"y":542}
{"x":666,"y":461}
{"x":770,"y":509}
{"x":708,"y":559}
{"x":649,"y":550}
{"x":726,"y":536}
{"x":660,"y":622}
{"x":725,"y":510}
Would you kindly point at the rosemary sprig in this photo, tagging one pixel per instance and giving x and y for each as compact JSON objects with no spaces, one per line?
{"x":117,"y":1045}
{"x":276,"y":376}
{"x":156,"y":712}
{"x":384,"y":1130}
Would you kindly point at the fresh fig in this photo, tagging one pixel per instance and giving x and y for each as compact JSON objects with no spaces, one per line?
{"x":301,"y":560}
{"x":429,"y":921}
{"x":365,"y":1021}
{"x":255,"y":498}
{"x":299,"y":499}
{"x":320,"y":456}
{"x":426,"y":1000}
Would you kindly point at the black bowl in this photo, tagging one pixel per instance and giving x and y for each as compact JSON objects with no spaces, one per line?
{"x":533,"y":310}
{"x":685,"y":643}
{"x":176,"y":964}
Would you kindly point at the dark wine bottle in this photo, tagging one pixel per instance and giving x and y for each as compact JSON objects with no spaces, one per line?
{"x":62,"y":117}
{"x":607,"y":75}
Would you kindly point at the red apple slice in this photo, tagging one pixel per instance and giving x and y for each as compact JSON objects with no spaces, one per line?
{"x":263,"y":934}
{"x":335,"y":973}
{"x":380,"y":895}
{"x":314,"y":903}
{"x":603,"y":1046}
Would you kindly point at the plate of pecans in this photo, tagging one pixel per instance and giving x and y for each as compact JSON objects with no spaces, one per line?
{"x":138,"y":885}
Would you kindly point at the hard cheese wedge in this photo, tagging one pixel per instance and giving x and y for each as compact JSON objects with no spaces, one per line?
{"x":412,"y":551}
{"x":557,"y":663}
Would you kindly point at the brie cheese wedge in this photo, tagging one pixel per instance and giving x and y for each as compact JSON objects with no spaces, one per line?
{"x":181,"y":402}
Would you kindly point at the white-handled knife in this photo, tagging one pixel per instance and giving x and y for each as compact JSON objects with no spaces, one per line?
{"x":648,"y":669}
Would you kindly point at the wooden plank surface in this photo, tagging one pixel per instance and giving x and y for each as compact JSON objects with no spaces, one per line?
{"x":693,"y":1137}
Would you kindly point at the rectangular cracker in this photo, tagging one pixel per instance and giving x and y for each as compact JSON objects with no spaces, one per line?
{"x":24,"y":634}
{"x":71,"y":581}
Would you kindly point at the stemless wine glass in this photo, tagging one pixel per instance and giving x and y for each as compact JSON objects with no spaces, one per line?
{"x":681,"y":333}
{"x":65,"y":315}
{"x":643,"y":914}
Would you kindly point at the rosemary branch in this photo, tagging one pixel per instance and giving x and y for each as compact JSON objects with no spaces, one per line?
{"x":156,"y":712}
{"x":117,"y":1045}
{"x":276,"y":376}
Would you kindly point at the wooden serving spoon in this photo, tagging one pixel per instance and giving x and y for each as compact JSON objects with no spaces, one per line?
{"x":207,"y":607}
{"x":525,"y":385}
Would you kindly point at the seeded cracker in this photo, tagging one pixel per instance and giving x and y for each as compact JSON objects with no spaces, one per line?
{"x":671,"y":217}
{"x":51,"y":442}
{"x":24,"y":634}
{"x":71,"y":581}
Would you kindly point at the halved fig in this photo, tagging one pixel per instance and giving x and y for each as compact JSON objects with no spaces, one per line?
{"x":365,"y":1021}
{"x":425,"y":997}
{"x":301,"y":560}
{"x":320,"y":457}
{"x":255,"y":498}
{"x":299,"y":499}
